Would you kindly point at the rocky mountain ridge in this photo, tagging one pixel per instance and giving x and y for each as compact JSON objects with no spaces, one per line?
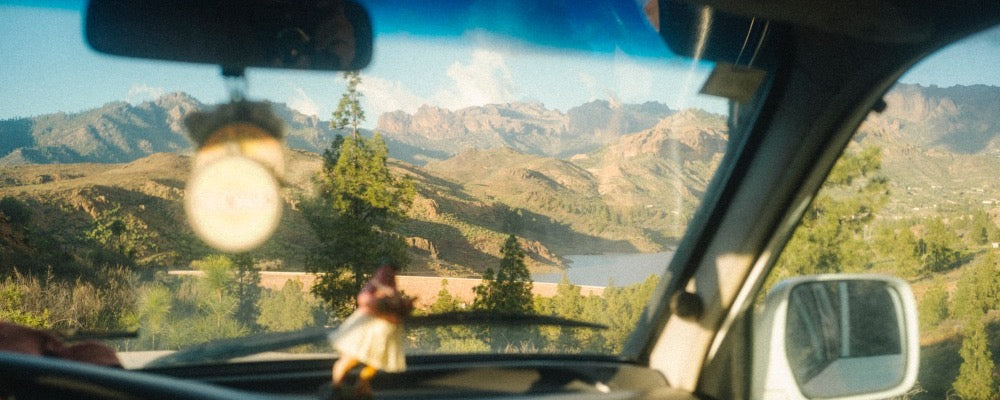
{"x":121,"y":132}
{"x":959,"y":119}
{"x":527,"y":127}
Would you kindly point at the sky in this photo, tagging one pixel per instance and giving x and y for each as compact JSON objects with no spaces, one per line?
{"x":45,"y":67}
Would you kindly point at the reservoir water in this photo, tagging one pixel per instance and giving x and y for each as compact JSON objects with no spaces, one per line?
{"x":621,"y":269}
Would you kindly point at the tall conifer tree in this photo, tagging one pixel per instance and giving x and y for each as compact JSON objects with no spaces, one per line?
{"x":357,"y":204}
{"x":509,"y":289}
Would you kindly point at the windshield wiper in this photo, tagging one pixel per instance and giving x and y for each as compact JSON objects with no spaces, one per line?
{"x":76,"y":334}
{"x":488,"y":318}
{"x":227,"y":349}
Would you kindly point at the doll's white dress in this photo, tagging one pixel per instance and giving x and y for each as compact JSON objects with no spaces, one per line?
{"x":371,"y":340}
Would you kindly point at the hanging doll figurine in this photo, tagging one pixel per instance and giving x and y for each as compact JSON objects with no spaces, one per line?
{"x":371,"y":339}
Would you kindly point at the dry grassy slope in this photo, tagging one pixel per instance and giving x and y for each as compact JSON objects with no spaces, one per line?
{"x":453,"y":233}
{"x":929,"y":180}
{"x":559,"y":200}
{"x":459,"y":233}
{"x":632,"y":195}
{"x":642,"y":168}
{"x":150,"y":188}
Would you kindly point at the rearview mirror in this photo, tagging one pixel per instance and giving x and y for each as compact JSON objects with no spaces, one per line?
{"x":836,"y":336}
{"x":312,"y":35}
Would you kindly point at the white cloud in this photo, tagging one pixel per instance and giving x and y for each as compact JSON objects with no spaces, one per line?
{"x":383,"y":95}
{"x":140,"y":92}
{"x":485,"y":79}
{"x":303,"y":103}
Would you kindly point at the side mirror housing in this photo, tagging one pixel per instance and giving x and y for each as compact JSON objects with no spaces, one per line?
{"x":836,"y":337}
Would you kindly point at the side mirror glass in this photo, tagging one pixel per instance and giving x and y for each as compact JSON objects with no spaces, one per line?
{"x":836,"y":336}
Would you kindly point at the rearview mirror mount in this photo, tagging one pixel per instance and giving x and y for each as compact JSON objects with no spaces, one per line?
{"x":836,"y":337}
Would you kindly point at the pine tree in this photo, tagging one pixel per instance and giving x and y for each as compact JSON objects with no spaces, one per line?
{"x":155,"y":301}
{"x":208,"y":305}
{"x":247,"y":290}
{"x":830,"y":237}
{"x":287,"y":309}
{"x":977,"y":377}
{"x":349,"y":112}
{"x":982,"y":229}
{"x":509,"y":289}
{"x":978,"y":292}
{"x":569,"y":303}
{"x":357,"y":205}
{"x":934,"y":306}
{"x":978,"y":289}
{"x":937,"y":249}
{"x":445,"y":301}
{"x":332,"y":153}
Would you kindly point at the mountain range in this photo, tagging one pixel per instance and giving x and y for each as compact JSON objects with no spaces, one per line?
{"x":958,"y":119}
{"x":525,"y":127}
{"x":940,"y":145}
{"x":601,"y":177}
{"x":121,"y":132}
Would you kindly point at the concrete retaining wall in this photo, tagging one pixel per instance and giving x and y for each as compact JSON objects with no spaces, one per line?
{"x":424,"y":288}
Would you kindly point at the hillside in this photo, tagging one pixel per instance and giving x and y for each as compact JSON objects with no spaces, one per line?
{"x":614,"y":196}
{"x":456,"y":226}
{"x":941,"y":146}
{"x":632,"y":180}
{"x":147,"y":192}
{"x":464,"y":208}
{"x":67,"y":199}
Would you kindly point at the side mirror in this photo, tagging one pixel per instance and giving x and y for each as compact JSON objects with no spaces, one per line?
{"x":836,"y":337}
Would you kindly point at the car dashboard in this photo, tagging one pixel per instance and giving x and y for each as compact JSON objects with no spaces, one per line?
{"x":428,"y":377}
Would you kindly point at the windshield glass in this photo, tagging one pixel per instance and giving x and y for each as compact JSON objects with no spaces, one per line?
{"x":500,"y":176}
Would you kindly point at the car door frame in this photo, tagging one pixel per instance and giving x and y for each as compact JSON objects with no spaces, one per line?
{"x":823,"y":89}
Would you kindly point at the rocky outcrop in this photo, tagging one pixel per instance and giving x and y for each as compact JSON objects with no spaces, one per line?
{"x":527,"y":127}
{"x":423,"y":245}
{"x":961,"y":119}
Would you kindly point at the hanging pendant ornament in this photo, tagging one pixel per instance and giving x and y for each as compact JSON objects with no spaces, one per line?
{"x":232,"y":199}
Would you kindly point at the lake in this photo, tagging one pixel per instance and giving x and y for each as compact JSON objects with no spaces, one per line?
{"x":622,"y":269}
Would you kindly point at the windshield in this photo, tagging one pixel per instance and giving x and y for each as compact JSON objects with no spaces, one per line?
{"x":500,"y":176}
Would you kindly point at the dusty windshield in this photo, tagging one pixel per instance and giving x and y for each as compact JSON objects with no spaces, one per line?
{"x":500,"y":177}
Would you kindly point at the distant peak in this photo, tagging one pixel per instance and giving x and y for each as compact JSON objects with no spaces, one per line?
{"x":175,"y":98}
{"x":115,"y":105}
{"x":688,"y":115}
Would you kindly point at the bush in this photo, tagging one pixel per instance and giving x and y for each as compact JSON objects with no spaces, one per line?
{"x":17,"y":211}
{"x":934,"y":306}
